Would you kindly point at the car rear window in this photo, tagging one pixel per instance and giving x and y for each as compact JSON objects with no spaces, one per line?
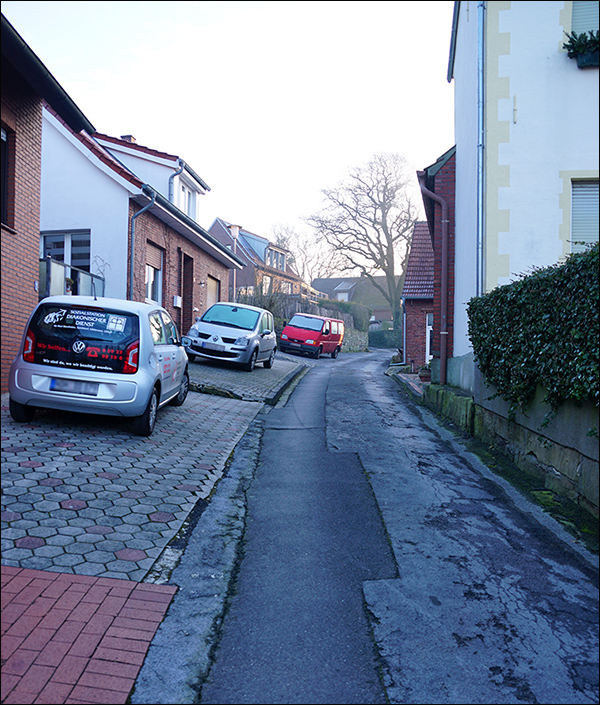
{"x":79,"y":337}
{"x":307,"y":323}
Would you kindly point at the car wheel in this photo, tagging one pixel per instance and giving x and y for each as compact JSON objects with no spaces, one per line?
{"x":21,"y":412}
{"x":334,"y":354}
{"x":318,"y":352}
{"x":184,"y":388}
{"x":144,"y":425}
{"x":269,"y":363}
{"x":249,"y":366}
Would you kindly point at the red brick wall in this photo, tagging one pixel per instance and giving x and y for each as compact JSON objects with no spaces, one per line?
{"x":174,"y":246}
{"x":444,"y":187}
{"x":416,"y":311}
{"x":22,"y":119}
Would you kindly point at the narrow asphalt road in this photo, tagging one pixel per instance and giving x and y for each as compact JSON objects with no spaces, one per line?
{"x":296,"y":630}
{"x":487,"y":598}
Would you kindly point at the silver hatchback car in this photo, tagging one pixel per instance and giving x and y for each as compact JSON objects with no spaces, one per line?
{"x":236,"y":333}
{"x":99,"y":356}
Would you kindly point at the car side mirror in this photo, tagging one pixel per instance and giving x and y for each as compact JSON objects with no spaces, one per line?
{"x":186,"y":341}
{"x":326,"y":331}
{"x":266,"y":332}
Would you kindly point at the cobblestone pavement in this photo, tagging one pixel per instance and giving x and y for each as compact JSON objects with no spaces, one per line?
{"x":82,"y":495}
{"x":87,"y":511}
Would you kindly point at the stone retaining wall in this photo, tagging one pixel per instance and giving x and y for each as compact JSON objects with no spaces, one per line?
{"x":564,"y":453}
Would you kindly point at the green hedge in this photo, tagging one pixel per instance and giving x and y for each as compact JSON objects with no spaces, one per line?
{"x":361,"y":314}
{"x":386,"y":339}
{"x":542,"y":329}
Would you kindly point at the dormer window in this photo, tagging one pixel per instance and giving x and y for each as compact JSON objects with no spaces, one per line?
{"x":276,"y":260}
{"x":187,"y":201}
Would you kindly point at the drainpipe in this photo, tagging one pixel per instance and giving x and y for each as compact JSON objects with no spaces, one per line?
{"x":481,"y":7}
{"x":172,"y":178}
{"x":147,"y":190}
{"x":235,"y":233}
{"x":444,"y":283}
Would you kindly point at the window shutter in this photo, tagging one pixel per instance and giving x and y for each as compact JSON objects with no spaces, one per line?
{"x":153,"y":256}
{"x":584,"y":215}
{"x":585,"y":17}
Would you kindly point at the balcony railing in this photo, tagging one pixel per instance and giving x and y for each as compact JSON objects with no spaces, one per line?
{"x":57,"y":278}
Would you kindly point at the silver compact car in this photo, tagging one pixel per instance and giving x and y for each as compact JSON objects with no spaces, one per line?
{"x":99,"y":356}
{"x":231,"y":332}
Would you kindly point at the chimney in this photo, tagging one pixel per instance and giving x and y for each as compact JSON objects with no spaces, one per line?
{"x":129,"y":138}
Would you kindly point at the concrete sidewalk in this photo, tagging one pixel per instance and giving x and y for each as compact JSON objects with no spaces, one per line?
{"x":87,"y":512}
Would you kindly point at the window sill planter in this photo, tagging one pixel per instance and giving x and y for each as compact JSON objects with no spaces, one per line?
{"x":587,"y":60}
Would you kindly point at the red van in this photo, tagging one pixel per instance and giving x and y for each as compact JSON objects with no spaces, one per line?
{"x":312,"y":335}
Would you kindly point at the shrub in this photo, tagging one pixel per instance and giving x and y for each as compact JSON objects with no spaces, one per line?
{"x":541,"y":329}
{"x":361,"y":314}
{"x":386,"y":339}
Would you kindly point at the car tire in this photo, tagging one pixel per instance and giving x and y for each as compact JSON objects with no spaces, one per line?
{"x":20,"y":412}
{"x":249,"y":366}
{"x":269,"y":363}
{"x":334,"y":354}
{"x":184,"y":388}
{"x":317,"y":353}
{"x":144,"y":425}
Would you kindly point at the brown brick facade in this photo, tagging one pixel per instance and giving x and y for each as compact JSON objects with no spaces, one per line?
{"x":415,"y":323}
{"x":22,"y":121}
{"x":186,"y":269}
{"x":444,"y":186}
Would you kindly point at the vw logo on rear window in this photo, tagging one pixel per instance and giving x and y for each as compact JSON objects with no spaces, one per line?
{"x":78,"y":346}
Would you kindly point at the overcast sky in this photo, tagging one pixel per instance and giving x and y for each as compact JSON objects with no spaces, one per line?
{"x":269,"y":102}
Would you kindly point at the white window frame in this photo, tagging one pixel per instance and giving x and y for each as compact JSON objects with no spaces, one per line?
{"x":584,"y":214}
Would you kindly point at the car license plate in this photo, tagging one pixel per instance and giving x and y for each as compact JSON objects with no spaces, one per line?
{"x":73,"y":386}
{"x":213,"y":346}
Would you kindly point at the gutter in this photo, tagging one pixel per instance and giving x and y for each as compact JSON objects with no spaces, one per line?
{"x":444,"y":283}
{"x":163,"y":202}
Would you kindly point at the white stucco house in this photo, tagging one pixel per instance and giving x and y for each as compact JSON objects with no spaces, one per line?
{"x":128,"y":214}
{"x":526,"y":130}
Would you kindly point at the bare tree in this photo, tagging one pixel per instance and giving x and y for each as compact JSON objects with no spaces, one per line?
{"x":311,"y":258}
{"x":369,"y":220}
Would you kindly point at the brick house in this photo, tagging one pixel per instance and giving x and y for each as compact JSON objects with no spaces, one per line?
{"x":104,"y":196}
{"x":360,"y":290}
{"x":266,"y":265}
{"x":418,"y":296}
{"x":26,"y":83}
{"x":438,"y":191}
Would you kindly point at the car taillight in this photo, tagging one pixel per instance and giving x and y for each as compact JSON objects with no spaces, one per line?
{"x":130,"y":366}
{"x":29,"y":346}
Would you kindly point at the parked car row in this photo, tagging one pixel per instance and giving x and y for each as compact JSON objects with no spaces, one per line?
{"x":124,"y":358}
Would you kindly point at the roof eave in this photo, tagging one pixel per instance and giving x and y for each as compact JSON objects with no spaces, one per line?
{"x":26,"y":62}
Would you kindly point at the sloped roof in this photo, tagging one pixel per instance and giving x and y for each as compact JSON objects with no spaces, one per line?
{"x":145,"y":195}
{"x":361,"y":289}
{"x":20,"y":55}
{"x":418,"y":280}
{"x":245,"y":250}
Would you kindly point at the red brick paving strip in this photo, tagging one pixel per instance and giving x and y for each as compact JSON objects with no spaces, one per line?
{"x":75,"y":638}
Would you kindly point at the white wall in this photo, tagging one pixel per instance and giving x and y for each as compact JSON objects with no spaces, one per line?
{"x":541,"y":131}
{"x":465,"y":129}
{"x":77,"y":194}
